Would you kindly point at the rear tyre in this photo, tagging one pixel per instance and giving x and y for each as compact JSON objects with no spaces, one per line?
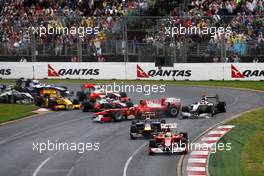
{"x":87,"y":106}
{"x":185,"y":109}
{"x":52,"y":105}
{"x":184,"y":134}
{"x":129,"y":104}
{"x":173,"y":111}
{"x":117,"y":116}
{"x":133,"y":129}
{"x":221,"y":106}
{"x":75,"y":102}
{"x":123,"y":94}
{"x":152,"y":144}
{"x":163,"y":121}
{"x":81,"y":96}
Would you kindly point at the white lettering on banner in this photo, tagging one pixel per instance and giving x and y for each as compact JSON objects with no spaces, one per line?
{"x":132,"y":71}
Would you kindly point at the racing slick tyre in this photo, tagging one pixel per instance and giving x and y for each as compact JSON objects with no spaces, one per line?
{"x":211,"y":111}
{"x":81,"y":96}
{"x":185,"y":109}
{"x":123,"y":94}
{"x":87,"y":106}
{"x":139,"y":116}
{"x":163,"y":121}
{"x":52,"y":105}
{"x":12,"y":99}
{"x":184,"y":134}
{"x":221,"y":106}
{"x":117,"y":116}
{"x":173,"y":111}
{"x":75,"y":102}
{"x":152,"y":144}
{"x":38,"y":101}
{"x":129,"y":104}
{"x":184,"y":143}
{"x":153,"y":134}
{"x":133,"y":129}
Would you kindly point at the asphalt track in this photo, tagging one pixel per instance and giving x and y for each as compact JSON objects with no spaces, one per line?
{"x":118,"y":155}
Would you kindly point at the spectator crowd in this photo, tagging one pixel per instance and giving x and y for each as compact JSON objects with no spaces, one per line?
{"x":245,"y":18}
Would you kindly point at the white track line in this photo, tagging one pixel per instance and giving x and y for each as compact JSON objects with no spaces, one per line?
{"x":130,"y":158}
{"x":40,"y":166}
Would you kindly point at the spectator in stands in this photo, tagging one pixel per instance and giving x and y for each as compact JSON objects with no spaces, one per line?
{"x":255,"y":60}
{"x":215,"y":59}
{"x":212,"y":46}
{"x":235,"y":58}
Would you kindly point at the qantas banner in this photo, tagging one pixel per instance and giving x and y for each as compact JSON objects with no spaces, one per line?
{"x":148,"y":71}
{"x":14,"y":70}
{"x":132,"y":71}
{"x":80,"y":70}
{"x":244,"y":71}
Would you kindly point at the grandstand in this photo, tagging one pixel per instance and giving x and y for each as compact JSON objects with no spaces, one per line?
{"x":130,"y":30}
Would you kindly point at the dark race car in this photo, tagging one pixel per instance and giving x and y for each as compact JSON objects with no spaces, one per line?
{"x":145,"y":128}
{"x":168,"y":141}
{"x":10,"y":95}
{"x":207,"y":107}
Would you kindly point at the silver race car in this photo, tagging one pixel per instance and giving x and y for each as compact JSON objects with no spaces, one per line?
{"x":206,"y":108}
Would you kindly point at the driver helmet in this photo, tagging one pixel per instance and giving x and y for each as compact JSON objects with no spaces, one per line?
{"x":35,"y":82}
{"x":108,"y":100}
{"x":204,"y":98}
{"x":168,"y":135}
{"x":147,"y":120}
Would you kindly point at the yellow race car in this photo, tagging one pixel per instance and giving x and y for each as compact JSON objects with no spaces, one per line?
{"x":51,"y":98}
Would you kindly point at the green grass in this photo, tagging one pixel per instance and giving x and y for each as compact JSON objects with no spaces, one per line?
{"x":10,"y":112}
{"x":254,"y":85}
{"x":247,"y":155}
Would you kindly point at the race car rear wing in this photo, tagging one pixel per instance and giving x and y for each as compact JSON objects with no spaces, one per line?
{"x":169,"y":125}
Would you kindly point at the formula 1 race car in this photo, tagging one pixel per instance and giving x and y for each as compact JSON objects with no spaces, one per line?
{"x":51,"y":98}
{"x":168,"y":142}
{"x":169,"y":107}
{"x":90,"y":93}
{"x":145,"y":128}
{"x":116,"y":111}
{"x":207,"y":107}
{"x":105,"y":102}
{"x":9,"y":95}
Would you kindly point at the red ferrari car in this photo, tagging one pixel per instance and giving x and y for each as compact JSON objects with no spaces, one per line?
{"x":169,"y":107}
{"x":168,"y":141}
{"x":118,"y":112}
{"x":146,"y":108}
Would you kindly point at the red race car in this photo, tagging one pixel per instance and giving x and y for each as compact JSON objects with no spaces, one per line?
{"x":106,"y":102}
{"x":90,"y":91}
{"x":168,"y":107}
{"x":118,"y":111}
{"x":168,"y":141}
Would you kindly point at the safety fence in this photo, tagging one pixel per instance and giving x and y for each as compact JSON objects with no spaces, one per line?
{"x":136,"y":38}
